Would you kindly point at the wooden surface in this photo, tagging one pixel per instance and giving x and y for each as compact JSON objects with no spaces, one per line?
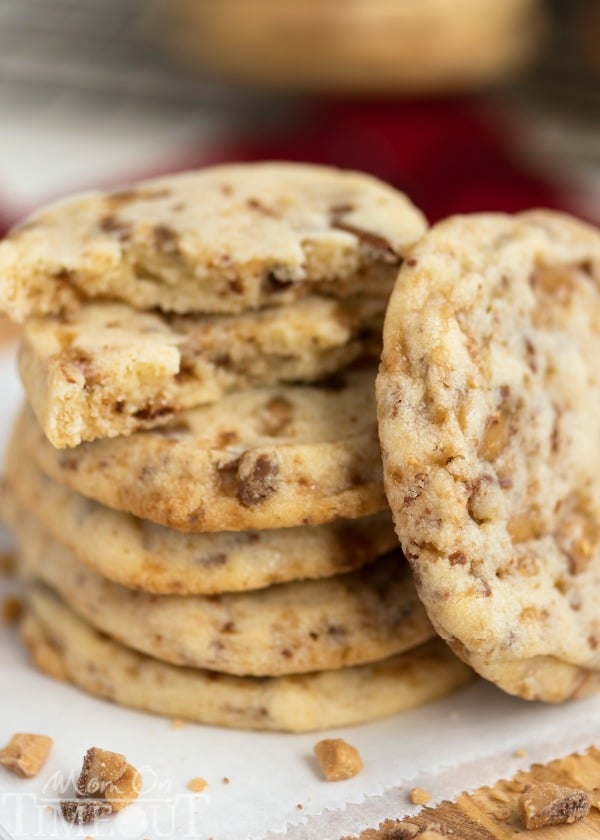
{"x":491,"y":813}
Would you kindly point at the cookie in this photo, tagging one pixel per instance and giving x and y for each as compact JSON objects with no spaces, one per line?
{"x":142,"y":555}
{"x":223,"y":239}
{"x":65,"y":646}
{"x":292,"y":628}
{"x":489,"y":410}
{"x":107,"y":370}
{"x":264,"y":458}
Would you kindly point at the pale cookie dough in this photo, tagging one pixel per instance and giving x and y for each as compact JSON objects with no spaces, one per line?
{"x":295,"y":703}
{"x":288,"y":629}
{"x":107,"y":370}
{"x":489,"y":410}
{"x":265,"y":458}
{"x":222,"y":239}
{"x":142,"y":555}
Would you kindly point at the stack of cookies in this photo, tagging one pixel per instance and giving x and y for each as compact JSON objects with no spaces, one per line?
{"x":196,"y":484}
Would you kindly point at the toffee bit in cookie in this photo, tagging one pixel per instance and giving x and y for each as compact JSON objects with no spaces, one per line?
{"x":595,"y":798}
{"x":419,"y":796}
{"x":337,"y":759}
{"x":7,"y":563}
{"x":197,"y":784}
{"x":100,"y":770}
{"x":26,"y":754}
{"x":550,"y":804}
{"x":84,"y":811}
{"x":12,"y":610}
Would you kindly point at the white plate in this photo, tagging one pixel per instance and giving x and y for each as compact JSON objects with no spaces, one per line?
{"x":467,"y":740}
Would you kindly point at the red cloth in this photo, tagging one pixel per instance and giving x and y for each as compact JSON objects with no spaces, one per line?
{"x":449,"y":156}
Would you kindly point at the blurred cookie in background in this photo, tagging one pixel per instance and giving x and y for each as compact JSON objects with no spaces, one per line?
{"x":358,"y":46}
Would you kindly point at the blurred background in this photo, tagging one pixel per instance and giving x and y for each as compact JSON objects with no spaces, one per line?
{"x":465,"y":104}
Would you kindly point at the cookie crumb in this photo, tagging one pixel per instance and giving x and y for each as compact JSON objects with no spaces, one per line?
{"x":337,"y":759}
{"x":226,"y":780}
{"x":550,"y":804}
{"x":520,"y":753}
{"x":499,"y":796}
{"x":12,"y":610}
{"x":419,"y":796}
{"x":176,"y":723}
{"x":83,"y":811}
{"x":26,"y":754}
{"x":197,"y":784}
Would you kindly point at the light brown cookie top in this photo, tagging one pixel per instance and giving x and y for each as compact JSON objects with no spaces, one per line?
{"x":489,"y":410}
{"x":63,"y":645}
{"x":293,"y":628}
{"x":263,"y":458}
{"x":107,"y":369}
{"x":222,"y":239}
{"x":146,"y":556}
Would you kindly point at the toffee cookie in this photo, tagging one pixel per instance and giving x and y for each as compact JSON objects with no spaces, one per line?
{"x":143,"y":555}
{"x":288,"y":629}
{"x":223,"y":239}
{"x":489,"y":415}
{"x":65,"y":646}
{"x":107,"y":369}
{"x":264,"y":458}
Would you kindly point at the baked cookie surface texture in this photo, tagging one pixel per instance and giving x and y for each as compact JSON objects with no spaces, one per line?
{"x":489,"y":415}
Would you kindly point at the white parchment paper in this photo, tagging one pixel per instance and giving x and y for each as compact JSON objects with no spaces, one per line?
{"x":274,"y":788}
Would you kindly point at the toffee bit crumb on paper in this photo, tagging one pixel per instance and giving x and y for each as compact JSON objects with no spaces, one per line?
{"x":176,"y":723}
{"x":83,"y":811}
{"x":226,"y":780}
{"x":337,"y":759}
{"x":299,"y":806}
{"x":101,"y":769}
{"x":106,"y":785}
{"x":12,"y":610}
{"x":125,"y":790}
{"x":520,"y":753}
{"x":419,"y":796}
{"x":26,"y":754}
{"x":197,"y":784}
{"x":550,"y":804}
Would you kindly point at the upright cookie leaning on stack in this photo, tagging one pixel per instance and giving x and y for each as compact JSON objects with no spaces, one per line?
{"x":203,"y":317}
{"x":489,"y":414}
